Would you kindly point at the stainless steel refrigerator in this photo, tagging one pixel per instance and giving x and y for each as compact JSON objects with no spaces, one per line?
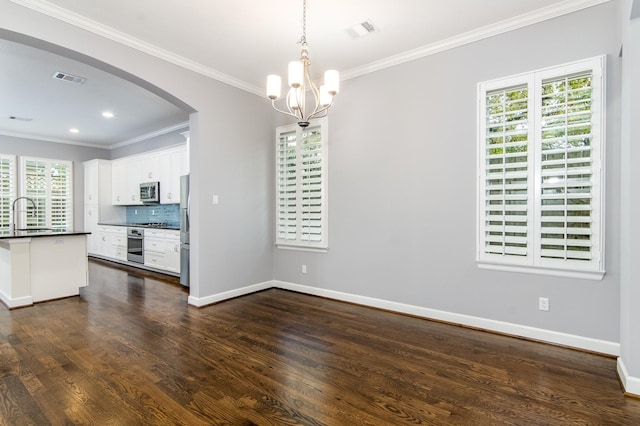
{"x":184,"y":230}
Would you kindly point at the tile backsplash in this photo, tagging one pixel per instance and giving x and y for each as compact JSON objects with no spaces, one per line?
{"x":161,"y":213}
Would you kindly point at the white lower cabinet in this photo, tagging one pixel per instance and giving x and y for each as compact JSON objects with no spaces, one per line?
{"x":162,"y":249}
{"x":172,"y":251}
{"x":112,"y":242}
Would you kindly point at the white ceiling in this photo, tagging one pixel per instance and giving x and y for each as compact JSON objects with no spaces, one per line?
{"x":238,"y":42}
{"x":29,"y":91}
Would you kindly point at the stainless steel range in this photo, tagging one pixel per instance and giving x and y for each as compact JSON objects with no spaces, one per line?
{"x":135,"y":244}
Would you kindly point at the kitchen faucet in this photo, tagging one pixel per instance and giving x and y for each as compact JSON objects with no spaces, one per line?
{"x":13,"y":208}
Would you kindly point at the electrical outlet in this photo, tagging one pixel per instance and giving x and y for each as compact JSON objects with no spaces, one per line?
{"x":543,"y":303}
{"x":304,"y":269}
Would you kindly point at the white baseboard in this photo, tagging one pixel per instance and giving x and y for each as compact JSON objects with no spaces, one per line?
{"x":570,"y":340}
{"x":580,"y":342}
{"x":631,"y":384}
{"x":215,"y":298}
{"x":17,"y":302}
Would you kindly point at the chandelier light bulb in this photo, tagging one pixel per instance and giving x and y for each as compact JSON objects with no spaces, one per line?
{"x":296,"y":74}
{"x":293,"y":99}
{"x":326,"y":98}
{"x":332,"y":82}
{"x":274,"y":86}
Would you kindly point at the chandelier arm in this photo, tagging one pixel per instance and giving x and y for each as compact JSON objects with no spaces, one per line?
{"x":299,"y":95}
{"x":273,"y":104}
{"x":314,"y":90}
{"x":316,"y":114}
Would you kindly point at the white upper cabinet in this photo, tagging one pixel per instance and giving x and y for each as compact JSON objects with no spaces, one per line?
{"x":134,"y":179}
{"x":91,"y":182}
{"x":119,"y":182}
{"x":126,"y":179}
{"x":151,"y":168}
{"x":172,"y":164}
{"x":164,"y":166}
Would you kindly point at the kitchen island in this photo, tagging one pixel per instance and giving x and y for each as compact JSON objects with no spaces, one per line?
{"x":39,"y":265}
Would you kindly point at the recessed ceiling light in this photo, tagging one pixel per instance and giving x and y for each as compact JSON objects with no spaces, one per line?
{"x":74,"y":130}
{"x":107,"y":114}
{"x":14,"y":117}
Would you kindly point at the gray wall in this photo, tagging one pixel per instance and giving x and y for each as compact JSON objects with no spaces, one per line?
{"x":230,"y":153}
{"x":402,"y":185}
{"x":630,"y":188}
{"x":58,"y":151}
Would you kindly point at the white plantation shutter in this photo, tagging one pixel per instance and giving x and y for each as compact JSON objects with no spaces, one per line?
{"x":7,"y":188}
{"x":50,"y":184}
{"x":540,"y":178}
{"x":301,"y":164}
{"x":61,"y":211}
{"x":566,"y":155}
{"x":507,"y":175}
{"x":311,"y":176}
{"x":287,"y":176}
{"x":35,"y":187}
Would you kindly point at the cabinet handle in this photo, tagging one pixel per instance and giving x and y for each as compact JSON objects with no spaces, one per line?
{"x":133,"y":198}
{"x":169,"y":195}
{"x":118,"y":198}
{"x":90,"y":197}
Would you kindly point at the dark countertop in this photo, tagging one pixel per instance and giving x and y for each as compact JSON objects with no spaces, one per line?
{"x":170,"y":226}
{"x":6,"y":234}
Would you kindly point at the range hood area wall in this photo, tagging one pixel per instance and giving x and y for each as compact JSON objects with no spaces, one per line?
{"x":161,"y":213}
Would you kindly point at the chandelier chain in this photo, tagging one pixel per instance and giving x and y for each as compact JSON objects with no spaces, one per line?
{"x":303,"y":39}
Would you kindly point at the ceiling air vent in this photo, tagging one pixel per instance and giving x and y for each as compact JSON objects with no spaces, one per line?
{"x":362,"y":29}
{"x":68,"y":77}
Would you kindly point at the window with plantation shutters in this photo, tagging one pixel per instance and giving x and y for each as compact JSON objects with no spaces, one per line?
{"x":49,"y":183}
{"x":7,"y":188}
{"x":540,"y":173}
{"x":301,"y":175}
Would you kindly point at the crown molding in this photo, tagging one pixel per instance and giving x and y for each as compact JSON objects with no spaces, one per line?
{"x":504,"y":26}
{"x":156,"y":133}
{"x":524,"y":20}
{"x":77,"y":20}
{"x":50,"y":139}
{"x":159,"y":132}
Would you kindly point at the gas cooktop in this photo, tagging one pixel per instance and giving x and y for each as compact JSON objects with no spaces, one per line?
{"x":162,"y":225}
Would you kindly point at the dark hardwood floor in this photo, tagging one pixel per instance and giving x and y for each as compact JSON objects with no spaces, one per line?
{"x":130,"y":351}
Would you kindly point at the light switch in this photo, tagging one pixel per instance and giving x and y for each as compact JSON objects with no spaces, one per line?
{"x":216,"y":200}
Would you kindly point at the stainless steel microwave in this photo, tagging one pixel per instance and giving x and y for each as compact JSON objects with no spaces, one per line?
{"x":150,"y":192}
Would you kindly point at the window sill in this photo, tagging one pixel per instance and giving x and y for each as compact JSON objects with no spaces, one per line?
{"x":540,"y":270}
{"x":302,"y":248}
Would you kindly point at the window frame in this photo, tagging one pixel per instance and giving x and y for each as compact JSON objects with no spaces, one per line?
{"x":299,"y":243}
{"x":533,"y":262}
{"x":7,"y":197}
{"x":46,"y":219}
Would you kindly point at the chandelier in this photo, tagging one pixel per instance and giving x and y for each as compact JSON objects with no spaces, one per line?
{"x":300,"y":82}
